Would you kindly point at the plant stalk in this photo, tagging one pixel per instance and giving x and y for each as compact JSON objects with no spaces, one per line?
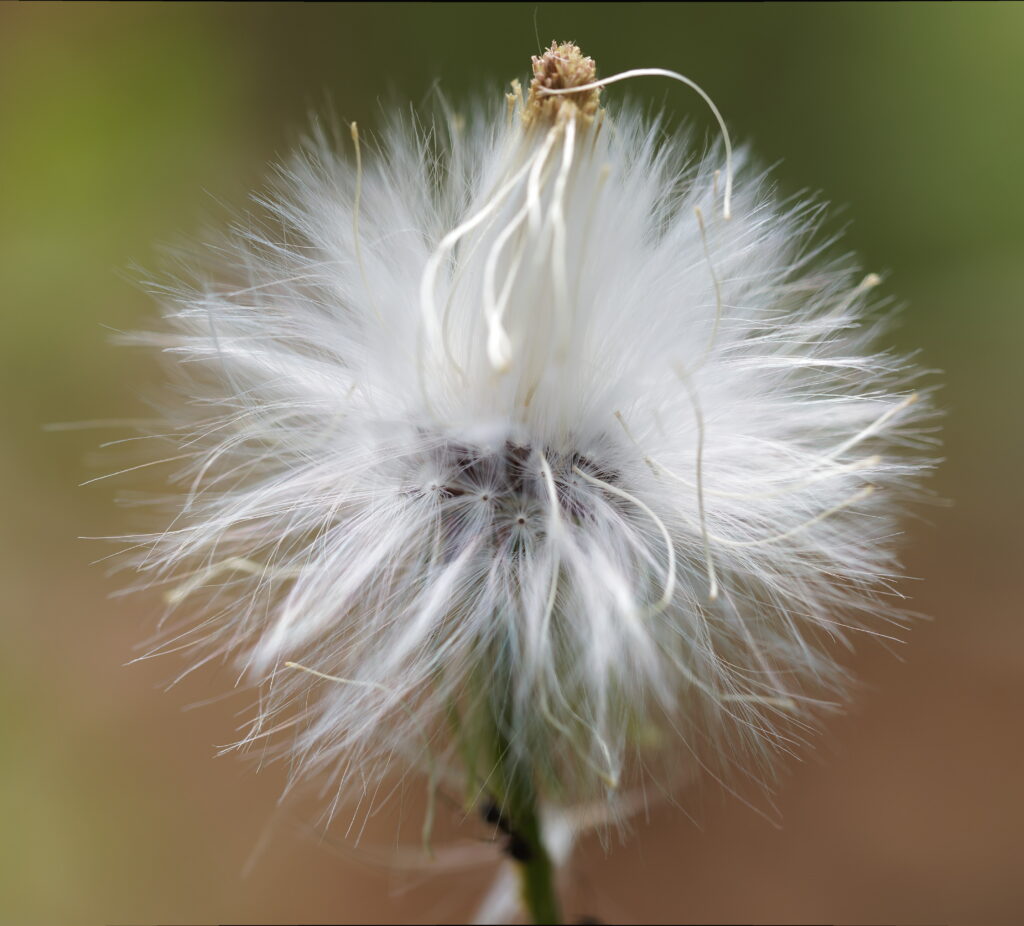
{"x":519,"y":819}
{"x":536,"y":872}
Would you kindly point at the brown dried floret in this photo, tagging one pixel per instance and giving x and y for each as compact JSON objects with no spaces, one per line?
{"x":560,"y":68}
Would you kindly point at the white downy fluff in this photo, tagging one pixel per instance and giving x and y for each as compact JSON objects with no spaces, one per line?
{"x":510,"y":435}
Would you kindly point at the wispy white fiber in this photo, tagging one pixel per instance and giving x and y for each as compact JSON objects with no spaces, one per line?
{"x":483,"y":425}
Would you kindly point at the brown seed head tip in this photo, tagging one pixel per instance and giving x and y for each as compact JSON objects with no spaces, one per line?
{"x":559,"y":68}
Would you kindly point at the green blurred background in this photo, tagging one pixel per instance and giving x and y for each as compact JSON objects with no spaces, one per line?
{"x":125,"y":126}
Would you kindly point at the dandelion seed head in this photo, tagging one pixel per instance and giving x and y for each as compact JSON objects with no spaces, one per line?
{"x":500,"y":435}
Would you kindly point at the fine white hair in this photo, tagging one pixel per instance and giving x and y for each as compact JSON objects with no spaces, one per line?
{"x":504,"y":435}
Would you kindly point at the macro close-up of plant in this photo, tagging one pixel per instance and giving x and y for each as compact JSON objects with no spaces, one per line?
{"x":527,"y":466}
{"x":528,"y":454}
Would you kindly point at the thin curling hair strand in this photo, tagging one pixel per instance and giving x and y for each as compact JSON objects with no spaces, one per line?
{"x":534,"y":452}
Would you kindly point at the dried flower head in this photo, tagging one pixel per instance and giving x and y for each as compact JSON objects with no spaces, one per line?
{"x":561,"y":68}
{"x":532,"y":443}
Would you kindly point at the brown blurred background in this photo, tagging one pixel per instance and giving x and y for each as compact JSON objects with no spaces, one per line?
{"x":124,"y":126}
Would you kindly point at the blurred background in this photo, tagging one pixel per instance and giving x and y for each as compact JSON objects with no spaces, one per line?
{"x":127,"y":126}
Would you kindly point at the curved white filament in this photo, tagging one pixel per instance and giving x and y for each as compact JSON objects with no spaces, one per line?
{"x":499,"y":346}
{"x":698,"y":415}
{"x":670,"y":549}
{"x":559,"y":258}
{"x":674,"y":75}
{"x":428,"y":281}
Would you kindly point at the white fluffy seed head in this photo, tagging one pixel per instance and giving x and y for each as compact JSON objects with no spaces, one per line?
{"x":504,"y":436}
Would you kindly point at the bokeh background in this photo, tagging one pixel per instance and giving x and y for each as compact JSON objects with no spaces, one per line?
{"x":127,"y":126}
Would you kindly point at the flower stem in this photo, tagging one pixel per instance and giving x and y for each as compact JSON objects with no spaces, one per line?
{"x":520,"y":820}
{"x":535,"y":869}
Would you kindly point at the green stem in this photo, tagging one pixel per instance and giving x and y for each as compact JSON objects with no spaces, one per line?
{"x":535,"y":869}
{"x":521,"y":823}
